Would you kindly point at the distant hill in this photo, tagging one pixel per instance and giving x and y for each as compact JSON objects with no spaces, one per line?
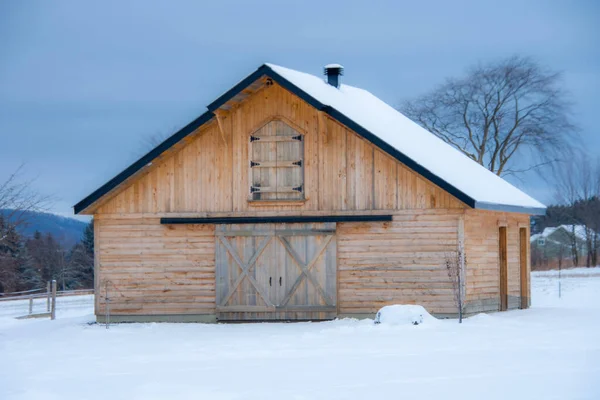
{"x":67,"y":231}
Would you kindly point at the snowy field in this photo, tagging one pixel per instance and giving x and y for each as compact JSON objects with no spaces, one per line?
{"x":551,"y":351}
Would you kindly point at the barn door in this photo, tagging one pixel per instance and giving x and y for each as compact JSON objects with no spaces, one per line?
{"x":276,"y":272}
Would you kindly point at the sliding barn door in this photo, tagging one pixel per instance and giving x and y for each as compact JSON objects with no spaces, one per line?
{"x":276,"y":272}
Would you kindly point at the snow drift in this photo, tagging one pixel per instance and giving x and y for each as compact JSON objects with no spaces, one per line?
{"x":403,"y":314}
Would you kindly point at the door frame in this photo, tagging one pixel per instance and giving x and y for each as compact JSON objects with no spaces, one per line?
{"x":524,"y":266}
{"x":503,"y":263}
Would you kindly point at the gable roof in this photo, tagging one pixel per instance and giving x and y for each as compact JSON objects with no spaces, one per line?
{"x":378,"y":123}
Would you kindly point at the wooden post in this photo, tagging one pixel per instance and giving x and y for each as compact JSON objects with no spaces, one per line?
{"x":523,"y":260}
{"x":107,"y":305}
{"x":53,"y":308}
{"x":30,"y":304}
{"x":48,"y":296}
{"x":503,"y":259}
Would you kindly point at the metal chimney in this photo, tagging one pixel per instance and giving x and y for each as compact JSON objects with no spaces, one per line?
{"x":333,"y":72}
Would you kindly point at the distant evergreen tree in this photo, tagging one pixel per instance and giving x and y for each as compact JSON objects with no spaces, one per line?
{"x":88,"y":239}
{"x":11,"y":256}
{"x":30,"y":275}
{"x":29,"y":263}
{"x":80,"y":267}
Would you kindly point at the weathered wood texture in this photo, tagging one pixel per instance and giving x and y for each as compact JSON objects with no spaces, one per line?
{"x":276,"y":271}
{"x":524,"y":259}
{"x":276,"y":162}
{"x":502,"y":260}
{"x":483,"y":262}
{"x":398,"y":262}
{"x":155,"y":269}
{"x":341,"y":171}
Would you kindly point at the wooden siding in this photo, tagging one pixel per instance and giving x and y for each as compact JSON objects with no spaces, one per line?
{"x":153,"y":269}
{"x":342,"y":171}
{"x":482,"y":256}
{"x":398,"y":262}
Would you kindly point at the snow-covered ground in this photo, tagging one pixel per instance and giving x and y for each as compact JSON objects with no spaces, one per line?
{"x":551,"y":351}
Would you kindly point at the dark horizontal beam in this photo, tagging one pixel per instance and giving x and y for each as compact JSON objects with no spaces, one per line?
{"x":278,"y":219}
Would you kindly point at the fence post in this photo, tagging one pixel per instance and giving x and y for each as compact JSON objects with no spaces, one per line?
{"x":48,"y":296}
{"x":53,"y":309}
{"x":30,"y":304}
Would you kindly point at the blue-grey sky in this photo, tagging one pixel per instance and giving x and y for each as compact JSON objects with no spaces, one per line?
{"x":82,"y":83}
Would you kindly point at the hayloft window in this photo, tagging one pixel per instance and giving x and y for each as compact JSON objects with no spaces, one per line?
{"x":276,"y":163}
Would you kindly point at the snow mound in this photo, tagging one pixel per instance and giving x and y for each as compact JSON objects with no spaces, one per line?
{"x":403,"y":314}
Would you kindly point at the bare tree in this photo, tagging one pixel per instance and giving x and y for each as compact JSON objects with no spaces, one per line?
{"x":499,"y":111}
{"x":578,"y":188}
{"x":152,"y":140}
{"x":17,"y":198}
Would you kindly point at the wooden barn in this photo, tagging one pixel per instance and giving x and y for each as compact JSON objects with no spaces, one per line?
{"x":300,"y":198}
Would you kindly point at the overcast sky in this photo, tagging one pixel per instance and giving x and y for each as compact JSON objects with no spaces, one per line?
{"x":81,"y":85}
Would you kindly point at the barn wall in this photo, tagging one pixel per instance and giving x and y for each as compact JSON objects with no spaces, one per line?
{"x":343,"y":172}
{"x":481,"y":250}
{"x":153,"y":269}
{"x":400,"y":262}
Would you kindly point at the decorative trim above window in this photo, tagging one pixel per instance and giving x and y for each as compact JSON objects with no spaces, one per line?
{"x":276,"y":154}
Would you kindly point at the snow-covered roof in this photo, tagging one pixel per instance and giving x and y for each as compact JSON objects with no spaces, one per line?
{"x":578,"y":230}
{"x":432,"y":153}
{"x":379,"y":123}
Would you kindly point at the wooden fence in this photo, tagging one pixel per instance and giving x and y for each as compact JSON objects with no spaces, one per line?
{"x":49,"y":293}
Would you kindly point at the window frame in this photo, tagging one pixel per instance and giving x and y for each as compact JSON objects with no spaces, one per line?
{"x":254,"y":197}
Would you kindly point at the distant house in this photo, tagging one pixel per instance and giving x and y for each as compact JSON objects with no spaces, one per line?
{"x":563,"y":246}
{"x":298,"y":198}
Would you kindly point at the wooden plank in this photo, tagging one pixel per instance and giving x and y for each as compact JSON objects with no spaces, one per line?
{"x":287,"y":232}
{"x":523,"y":264}
{"x":276,"y":189}
{"x":264,"y":138}
{"x":306,"y":308}
{"x":297,"y":163}
{"x":232,"y":309}
{"x":502,"y":251}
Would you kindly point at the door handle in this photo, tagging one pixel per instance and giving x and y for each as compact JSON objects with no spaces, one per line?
{"x":279,"y":281}
{"x":270,"y":281}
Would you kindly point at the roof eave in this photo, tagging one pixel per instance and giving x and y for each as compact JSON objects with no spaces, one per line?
{"x":481,"y":205}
